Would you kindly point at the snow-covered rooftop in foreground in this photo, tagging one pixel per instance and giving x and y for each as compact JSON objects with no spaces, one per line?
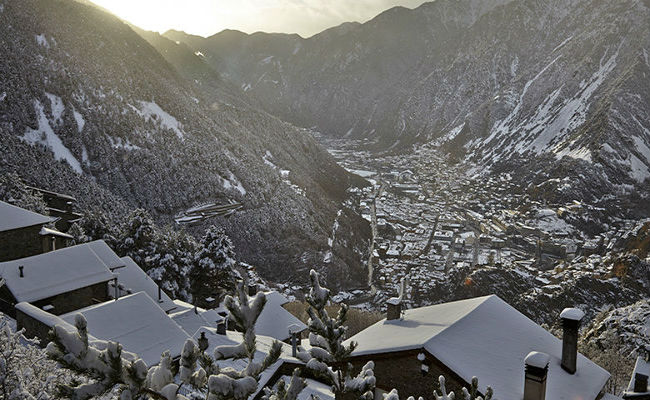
{"x":192,"y":320}
{"x":132,"y":279}
{"x":12,"y":217}
{"x":56,"y":272}
{"x":487,"y":338}
{"x":274,"y":321}
{"x":137,"y":323}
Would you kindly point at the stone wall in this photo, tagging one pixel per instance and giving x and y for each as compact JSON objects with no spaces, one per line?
{"x":20,"y":243}
{"x":76,"y":299}
{"x":403,"y":371}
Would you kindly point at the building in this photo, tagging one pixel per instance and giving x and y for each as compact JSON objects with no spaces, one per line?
{"x":137,"y":323}
{"x":60,"y":206}
{"x":132,"y":279}
{"x":59,"y":281}
{"x":20,"y":232}
{"x":275,"y":320}
{"x":639,"y":389}
{"x":483,"y":337}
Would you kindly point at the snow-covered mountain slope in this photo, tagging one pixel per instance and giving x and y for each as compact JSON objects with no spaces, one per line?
{"x":90,"y":108}
{"x":489,"y":81}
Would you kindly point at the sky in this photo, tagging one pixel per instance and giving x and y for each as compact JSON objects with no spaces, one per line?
{"x":207,"y":17}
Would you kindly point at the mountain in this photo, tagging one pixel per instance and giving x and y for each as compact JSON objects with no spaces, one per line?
{"x":88,"y":107}
{"x":553,"y":88}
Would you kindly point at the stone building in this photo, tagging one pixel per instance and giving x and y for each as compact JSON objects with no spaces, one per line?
{"x":483,"y":337}
{"x":20,"y":232}
{"x":58,"y":281}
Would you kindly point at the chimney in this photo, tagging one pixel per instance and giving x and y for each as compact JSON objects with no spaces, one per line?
{"x":159,"y":294}
{"x":252,"y":289}
{"x":571,"y":318}
{"x":221,"y":328}
{"x":22,"y":275}
{"x":640,"y":383}
{"x":535,"y":375}
{"x":394,"y":304}
{"x":294,"y":330}
{"x":394,"y":310}
{"x":117,"y":289}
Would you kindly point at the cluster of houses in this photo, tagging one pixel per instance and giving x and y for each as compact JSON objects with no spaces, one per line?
{"x":45,"y":281}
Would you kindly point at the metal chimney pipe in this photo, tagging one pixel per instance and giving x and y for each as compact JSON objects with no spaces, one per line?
{"x":117,"y":289}
{"x":571,"y":318}
{"x":22,"y":275}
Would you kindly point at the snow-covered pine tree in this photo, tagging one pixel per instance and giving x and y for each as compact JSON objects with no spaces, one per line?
{"x":26,"y":373}
{"x":138,"y":237}
{"x":327,"y":357}
{"x":173,"y":262}
{"x":78,"y":234}
{"x":112,"y":370}
{"x":213,"y":274}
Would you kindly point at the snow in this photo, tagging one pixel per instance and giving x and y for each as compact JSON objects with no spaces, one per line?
{"x":137,"y":323}
{"x":574,"y":314}
{"x":274,"y":321}
{"x":151,"y":110}
{"x":57,"y":107}
{"x":46,"y":136}
{"x":105,"y":253}
{"x":642,"y":366}
{"x":565,"y":41}
{"x":263,"y":346}
{"x":132,"y":279}
{"x":52,"y":232}
{"x":12,"y":217}
{"x":3,"y":96}
{"x":191,"y":320}
{"x":233,"y":182}
{"x":537,"y":359}
{"x":119,"y":143}
{"x":267,"y":160}
{"x":639,"y":170}
{"x":468,"y":337}
{"x":55,"y":272}
{"x":314,"y":388}
{"x":42,"y":40}
{"x":43,"y":317}
{"x":79,"y":119}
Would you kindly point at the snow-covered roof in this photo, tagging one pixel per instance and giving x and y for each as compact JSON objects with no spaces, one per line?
{"x":274,"y":321}
{"x":132,"y":279}
{"x":53,"y":273}
{"x":487,"y":338}
{"x":191,"y":320}
{"x":137,"y":323}
{"x":106,"y":254}
{"x":642,"y":366}
{"x":53,"y":232}
{"x":12,"y":217}
{"x":263,"y":343}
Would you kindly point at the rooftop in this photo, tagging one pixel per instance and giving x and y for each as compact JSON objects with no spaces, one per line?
{"x":56,"y":272}
{"x":487,"y":338}
{"x":12,"y":217}
{"x":137,"y":323}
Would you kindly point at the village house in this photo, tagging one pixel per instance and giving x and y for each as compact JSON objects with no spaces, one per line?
{"x":639,"y":389}
{"x":59,"y":281}
{"x":21,"y":232}
{"x":60,"y":206}
{"x":483,"y":337}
